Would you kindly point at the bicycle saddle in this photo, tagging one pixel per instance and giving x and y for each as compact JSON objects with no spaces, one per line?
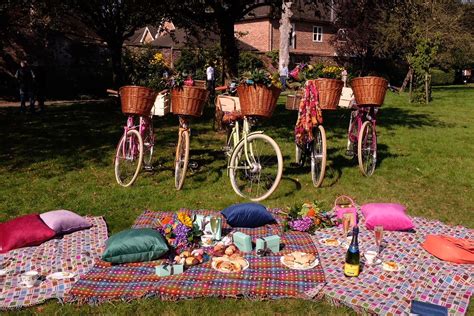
{"x":230,"y":117}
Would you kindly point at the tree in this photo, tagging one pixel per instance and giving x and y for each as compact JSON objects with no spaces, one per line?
{"x":285,"y":33}
{"x":114,"y":21}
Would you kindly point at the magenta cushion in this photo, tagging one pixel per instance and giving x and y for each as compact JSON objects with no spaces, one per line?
{"x":64,"y":222}
{"x":24,"y":231}
{"x":389,"y":215}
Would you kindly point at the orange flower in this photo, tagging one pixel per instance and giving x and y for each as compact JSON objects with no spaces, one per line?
{"x":166,"y":220}
{"x":311,"y":212}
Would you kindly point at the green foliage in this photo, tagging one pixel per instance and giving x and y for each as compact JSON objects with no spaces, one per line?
{"x":261,"y":76}
{"x":274,"y":56}
{"x":195,"y":61}
{"x":145,"y":67}
{"x":249,"y":61}
{"x":440,"y":77}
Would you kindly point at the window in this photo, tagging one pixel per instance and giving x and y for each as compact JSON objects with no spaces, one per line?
{"x":292,"y":37}
{"x":317,"y":33}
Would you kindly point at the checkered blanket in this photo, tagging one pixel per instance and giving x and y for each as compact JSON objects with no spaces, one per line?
{"x":74,"y":252}
{"x":423,"y":277}
{"x":265,"y":278}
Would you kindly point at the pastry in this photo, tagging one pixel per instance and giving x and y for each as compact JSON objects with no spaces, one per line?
{"x":332,"y":242}
{"x":390,"y":265}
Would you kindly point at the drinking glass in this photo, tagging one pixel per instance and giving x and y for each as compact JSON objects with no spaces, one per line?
{"x":214,"y":226}
{"x":378,"y":232}
{"x":346,"y":222}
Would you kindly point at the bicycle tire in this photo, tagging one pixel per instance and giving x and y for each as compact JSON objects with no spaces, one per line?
{"x":126,"y":159}
{"x":351,"y":145}
{"x":148,"y":144}
{"x":181,"y":160}
{"x":367,"y":149}
{"x":241,"y":180}
{"x":318,"y":156}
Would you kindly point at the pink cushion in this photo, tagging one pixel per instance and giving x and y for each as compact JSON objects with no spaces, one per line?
{"x":389,"y":215}
{"x":24,"y":231}
{"x":64,"y":222}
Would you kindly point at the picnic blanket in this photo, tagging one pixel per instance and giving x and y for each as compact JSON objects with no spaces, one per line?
{"x":265,"y":278}
{"x":423,"y":277}
{"x":76,"y":252}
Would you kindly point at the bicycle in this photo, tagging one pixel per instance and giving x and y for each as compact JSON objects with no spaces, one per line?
{"x":134,"y":148}
{"x":254,"y":160}
{"x":182,"y":152}
{"x":362,"y":137}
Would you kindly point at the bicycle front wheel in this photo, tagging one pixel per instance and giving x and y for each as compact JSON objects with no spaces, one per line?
{"x":128,"y":158}
{"x":259,"y":176}
{"x":318,"y":156}
{"x":181,"y":161}
{"x":367,"y":149}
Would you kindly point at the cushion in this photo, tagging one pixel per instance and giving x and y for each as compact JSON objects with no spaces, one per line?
{"x":451,"y":249}
{"x":247,"y":215}
{"x":389,"y":215}
{"x":24,"y":231}
{"x":64,"y":222}
{"x":135,"y":245}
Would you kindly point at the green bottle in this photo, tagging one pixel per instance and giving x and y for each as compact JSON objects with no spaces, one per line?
{"x":352,"y":264}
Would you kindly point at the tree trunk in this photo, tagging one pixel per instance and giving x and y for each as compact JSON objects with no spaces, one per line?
{"x":230,"y":53}
{"x":116,"y":56}
{"x":285,"y":33}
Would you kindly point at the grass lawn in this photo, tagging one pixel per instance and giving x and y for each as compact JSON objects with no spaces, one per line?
{"x":64,"y":159}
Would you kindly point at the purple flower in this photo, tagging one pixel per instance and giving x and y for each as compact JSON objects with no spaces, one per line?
{"x":302,"y":225}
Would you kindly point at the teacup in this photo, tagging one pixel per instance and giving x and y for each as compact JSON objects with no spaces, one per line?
{"x":29,"y":278}
{"x":370,"y":256}
{"x":206,"y":240}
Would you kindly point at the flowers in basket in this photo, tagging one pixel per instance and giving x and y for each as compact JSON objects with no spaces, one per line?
{"x":261,"y":76}
{"x":307,"y":218}
{"x":180,"y":231}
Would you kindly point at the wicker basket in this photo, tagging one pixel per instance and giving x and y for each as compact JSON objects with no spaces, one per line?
{"x":369,"y":91}
{"x":137,"y":100}
{"x":257,"y":100}
{"x":293,"y":101}
{"x":188,"y":100}
{"x":329,"y":92}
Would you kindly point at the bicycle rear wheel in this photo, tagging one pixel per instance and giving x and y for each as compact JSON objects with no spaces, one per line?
{"x":181,"y":161}
{"x":318,"y":156}
{"x":259,"y":179}
{"x":128,"y":158}
{"x":367,"y":149}
{"x":148,"y":144}
{"x":351,"y":149}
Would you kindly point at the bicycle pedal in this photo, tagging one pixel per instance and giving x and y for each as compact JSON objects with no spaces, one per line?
{"x":349,"y":153}
{"x":193,"y":165}
{"x":148,"y":168}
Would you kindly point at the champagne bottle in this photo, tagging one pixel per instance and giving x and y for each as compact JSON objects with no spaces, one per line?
{"x":352,"y":264}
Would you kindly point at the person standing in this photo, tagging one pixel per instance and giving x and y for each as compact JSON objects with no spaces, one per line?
{"x":283,"y":76}
{"x":25,"y":77}
{"x":344,"y":76}
{"x":211,"y":81}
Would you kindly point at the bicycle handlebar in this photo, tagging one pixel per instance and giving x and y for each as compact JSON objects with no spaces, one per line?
{"x":112,"y":92}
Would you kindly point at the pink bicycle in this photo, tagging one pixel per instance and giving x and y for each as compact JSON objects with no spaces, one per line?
{"x":134,"y":148}
{"x":362,"y":138}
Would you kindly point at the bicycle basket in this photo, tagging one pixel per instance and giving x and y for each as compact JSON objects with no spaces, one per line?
{"x":188,"y":100}
{"x":257,"y":100}
{"x":369,"y":91}
{"x":329,"y":92}
{"x":137,"y":100}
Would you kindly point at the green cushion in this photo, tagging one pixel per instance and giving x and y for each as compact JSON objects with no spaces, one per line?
{"x":135,"y":245}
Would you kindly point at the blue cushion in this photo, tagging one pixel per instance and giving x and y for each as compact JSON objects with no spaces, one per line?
{"x":247,"y":215}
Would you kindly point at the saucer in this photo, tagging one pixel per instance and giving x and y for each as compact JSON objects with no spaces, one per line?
{"x":374,"y":263}
{"x":61,"y":275}
{"x":26,"y":286}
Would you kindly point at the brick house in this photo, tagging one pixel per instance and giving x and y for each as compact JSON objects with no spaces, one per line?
{"x":310,"y":38}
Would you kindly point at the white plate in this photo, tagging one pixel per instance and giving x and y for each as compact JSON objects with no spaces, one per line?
{"x":376,"y":262}
{"x":3,"y":272}
{"x":389,"y":269}
{"x":297,"y":266}
{"x":323,"y":242}
{"x":213,"y":265}
{"x":61,"y":275}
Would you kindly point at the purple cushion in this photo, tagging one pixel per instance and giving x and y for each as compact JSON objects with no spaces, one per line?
{"x":64,"y":222}
{"x":389,"y":215}
{"x":24,"y":231}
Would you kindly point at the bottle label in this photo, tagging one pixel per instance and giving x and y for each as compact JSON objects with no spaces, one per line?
{"x":351,"y":269}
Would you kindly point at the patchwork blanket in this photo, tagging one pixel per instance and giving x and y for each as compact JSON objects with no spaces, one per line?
{"x":76,"y":252}
{"x":265,"y":278}
{"x":423,"y":276}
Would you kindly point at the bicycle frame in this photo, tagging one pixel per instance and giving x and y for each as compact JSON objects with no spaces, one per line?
{"x":143,"y":125}
{"x":361,"y":114}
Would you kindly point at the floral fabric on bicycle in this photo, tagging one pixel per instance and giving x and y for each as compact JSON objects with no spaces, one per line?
{"x":309,"y":115}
